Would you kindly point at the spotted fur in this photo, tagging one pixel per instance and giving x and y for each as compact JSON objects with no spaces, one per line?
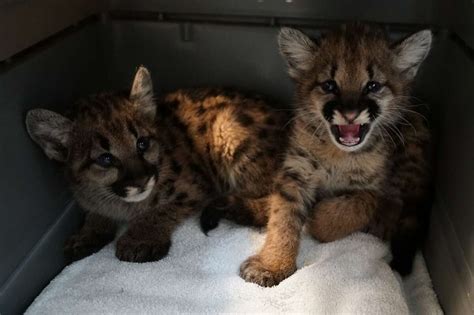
{"x":153,"y":163}
{"x":358,"y":153}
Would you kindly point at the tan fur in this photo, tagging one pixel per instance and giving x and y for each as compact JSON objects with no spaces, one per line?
{"x":339,"y":216}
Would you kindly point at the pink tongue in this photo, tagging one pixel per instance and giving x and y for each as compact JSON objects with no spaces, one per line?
{"x":349,"y":131}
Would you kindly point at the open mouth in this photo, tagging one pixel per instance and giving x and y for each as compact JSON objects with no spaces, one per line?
{"x":350,"y":135}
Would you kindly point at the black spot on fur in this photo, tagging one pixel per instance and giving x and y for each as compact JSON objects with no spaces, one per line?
{"x":168,"y":187}
{"x":241,"y":150}
{"x":263,"y":134}
{"x":294,"y":176}
{"x":170,"y":190}
{"x":373,"y":108}
{"x":104,"y":142}
{"x":181,"y":196}
{"x":370,"y":145}
{"x":175,"y":167}
{"x":314,"y":163}
{"x":197,"y":95}
{"x":270,"y":121}
{"x":201,"y":110}
{"x":286,"y":195}
{"x":213,"y":167}
{"x":328,"y":109}
{"x":84,"y":165}
{"x":299,"y":152}
{"x":220,"y":106}
{"x":164,"y":109}
{"x":230,"y":93}
{"x":244,"y":119}
{"x":333,"y":70}
{"x":197,"y":169}
{"x":156,"y":199}
{"x":192,"y":203}
{"x":202,"y":129}
{"x":183,"y":131}
{"x":256,"y":156}
{"x":370,"y":71}
{"x":179,"y":124}
{"x":132,"y":129}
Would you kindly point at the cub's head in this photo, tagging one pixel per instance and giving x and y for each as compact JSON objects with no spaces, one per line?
{"x":352,"y":82}
{"x":109,"y":147}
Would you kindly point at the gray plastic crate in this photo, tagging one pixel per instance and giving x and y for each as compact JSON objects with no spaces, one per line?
{"x":52,"y":52}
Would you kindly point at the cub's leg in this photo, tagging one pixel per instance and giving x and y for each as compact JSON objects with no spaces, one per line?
{"x":277,"y":259}
{"x":148,"y":237}
{"x":404,"y":225}
{"x":295,"y":189}
{"x":412,"y":175}
{"x":336,"y":217}
{"x":96,"y":232}
{"x":244,"y":211}
{"x":409,"y":236}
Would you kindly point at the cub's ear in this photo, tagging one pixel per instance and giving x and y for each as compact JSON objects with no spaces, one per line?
{"x":410,"y":52}
{"x":142,"y":92}
{"x":51,"y":131}
{"x":297,"y":49}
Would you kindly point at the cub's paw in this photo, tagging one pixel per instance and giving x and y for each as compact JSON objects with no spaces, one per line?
{"x":136,"y":250}
{"x":403,"y":266}
{"x":80,"y":246}
{"x":209,"y":219}
{"x":253,"y":270}
{"x":213,"y":213}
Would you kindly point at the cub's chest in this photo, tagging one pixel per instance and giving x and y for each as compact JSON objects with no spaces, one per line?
{"x":354,"y":172}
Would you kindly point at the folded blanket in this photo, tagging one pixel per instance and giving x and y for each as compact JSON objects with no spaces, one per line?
{"x":200,"y":274}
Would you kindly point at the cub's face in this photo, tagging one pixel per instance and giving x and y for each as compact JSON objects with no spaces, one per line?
{"x":110,"y":148}
{"x":353,"y":83}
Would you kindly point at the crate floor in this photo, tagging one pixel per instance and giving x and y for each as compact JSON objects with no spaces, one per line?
{"x":200,"y":275}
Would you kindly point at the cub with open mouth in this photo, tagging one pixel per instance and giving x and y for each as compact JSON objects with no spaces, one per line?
{"x":358,"y":158}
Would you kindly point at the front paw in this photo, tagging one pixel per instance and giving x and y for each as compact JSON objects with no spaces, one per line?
{"x":403,"y":266}
{"x":209,"y":219}
{"x":212,"y":214}
{"x":321,"y":229}
{"x":136,"y":250}
{"x":80,"y":246}
{"x":254,"y":270}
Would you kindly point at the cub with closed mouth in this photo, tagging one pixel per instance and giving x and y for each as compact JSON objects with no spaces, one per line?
{"x":152,"y":163}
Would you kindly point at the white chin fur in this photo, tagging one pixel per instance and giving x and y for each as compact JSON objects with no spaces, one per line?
{"x":134,"y":194}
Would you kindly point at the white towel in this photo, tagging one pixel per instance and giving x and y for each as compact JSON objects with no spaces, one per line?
{"x":200,"y":274}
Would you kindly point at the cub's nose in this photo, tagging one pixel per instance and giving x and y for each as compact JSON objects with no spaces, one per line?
{"x":350,"y":116}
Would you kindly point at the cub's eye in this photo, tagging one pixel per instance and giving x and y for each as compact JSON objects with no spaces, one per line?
{"x":105,"y":160}
{"x":373,"y":87}
{"x":330,"y":86}
{"x":143,"y":144}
